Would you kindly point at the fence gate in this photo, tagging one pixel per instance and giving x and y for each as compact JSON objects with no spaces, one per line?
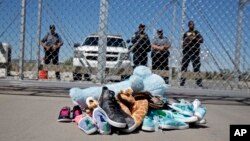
{"x":102,"y":42}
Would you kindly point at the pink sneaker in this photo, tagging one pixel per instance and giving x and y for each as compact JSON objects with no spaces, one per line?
{"x":76,"y":111}
{"x":64,"y":115}
{"x":78,"y":118}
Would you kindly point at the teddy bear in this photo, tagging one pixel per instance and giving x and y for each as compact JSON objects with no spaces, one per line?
{"x":142,"y":79}
{"x":91,"y":105}
{"x":137,"y":109}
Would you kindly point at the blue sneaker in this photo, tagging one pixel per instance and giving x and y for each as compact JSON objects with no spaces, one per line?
{"x":202,"y":121}
{"x":183,"y":108}
{"x":87,"y":125}
{"x":101,"y":121}
{"x":196,"y":103}
{"x":172,"y":124}
{"x":148,"y":122}
{"x":199,"y":110}
{"x":168,"y":122}
{"x":184,"y":118}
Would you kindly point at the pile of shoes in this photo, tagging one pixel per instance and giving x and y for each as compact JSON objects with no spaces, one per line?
{"x":128,"y":111}
{"x":179,"y":116}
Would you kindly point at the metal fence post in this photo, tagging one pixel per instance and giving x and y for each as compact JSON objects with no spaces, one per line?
{"x":183,"y":16}
{"x":172,"y":40}
{"x":102,"y":43}
{"x":39,"y":20}
{"x":242,"y":3}
{"x":22,"y":39}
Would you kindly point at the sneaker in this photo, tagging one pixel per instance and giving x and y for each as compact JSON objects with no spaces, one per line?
{"x":151,"y":121}
{"x":167,"y":121}
{"x":58,"y":77}
{"x":101,"y":121}
{"x":200,"y":85}
{"x":183,"y":108}
{"x":64,"y":115}
{"x":202,"y":121}
{"x":196,"y":103}
{"x":77,"y":119}
{"x":184,"y":118}
{"x":166,"y":79}
{"x":199,"y":110}
{"x":182,"y":81}
{"x":87,"y":124}
{"x":184,"y":101}
{"x":111,"y":109}
{"x":76,"y":112}
{"x":130,"y":123}
{"x":148,"y":124}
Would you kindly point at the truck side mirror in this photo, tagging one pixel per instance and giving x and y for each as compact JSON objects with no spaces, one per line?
{"x":76,"y":45}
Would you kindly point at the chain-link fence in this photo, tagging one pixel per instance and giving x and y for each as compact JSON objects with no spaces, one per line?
{"x":190,"y":43}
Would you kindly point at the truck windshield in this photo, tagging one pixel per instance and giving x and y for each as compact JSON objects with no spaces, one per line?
{"x":112,"y":42}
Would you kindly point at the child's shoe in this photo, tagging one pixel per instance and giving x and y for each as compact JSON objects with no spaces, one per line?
{"x":76,"y":111}
{"x":101,"y":121}
{"x":87,"y":124}
{"x":64,"y":115}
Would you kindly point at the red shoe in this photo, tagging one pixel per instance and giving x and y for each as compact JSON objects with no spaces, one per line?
{"x":64,"y":115}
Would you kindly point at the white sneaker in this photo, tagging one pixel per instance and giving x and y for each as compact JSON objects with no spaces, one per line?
{"x":199,"y":110}
{"x":196,"y":104}
{"x":202,"y":121}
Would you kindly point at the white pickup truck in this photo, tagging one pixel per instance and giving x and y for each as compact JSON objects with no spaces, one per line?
{"x":117,"y":54}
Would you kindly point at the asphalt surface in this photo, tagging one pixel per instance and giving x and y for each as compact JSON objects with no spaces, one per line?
{"x":29,"y":112}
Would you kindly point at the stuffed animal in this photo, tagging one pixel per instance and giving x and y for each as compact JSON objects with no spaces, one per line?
{"x":137,"y":109}
{"x":155,"y":84}
{"x":142,"y":79}
{"x":91,"y":105}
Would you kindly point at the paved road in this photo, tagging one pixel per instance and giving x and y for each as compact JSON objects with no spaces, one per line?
{"x":30,"y":113}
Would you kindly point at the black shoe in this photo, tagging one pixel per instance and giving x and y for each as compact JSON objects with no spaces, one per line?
{"x":131,"y":125}
{"x":200,"y":85}
{"x":166,"y":79}
{"x":112,"y":109}
{"x":183,"y":80}
{"x":58,"y":76}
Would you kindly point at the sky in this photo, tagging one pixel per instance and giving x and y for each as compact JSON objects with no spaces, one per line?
{"x":76,"y":19}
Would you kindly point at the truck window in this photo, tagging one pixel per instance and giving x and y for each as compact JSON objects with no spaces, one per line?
{"x":112,"y":42}
{"x":115,"y":42}
{"x":91,"y":41}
